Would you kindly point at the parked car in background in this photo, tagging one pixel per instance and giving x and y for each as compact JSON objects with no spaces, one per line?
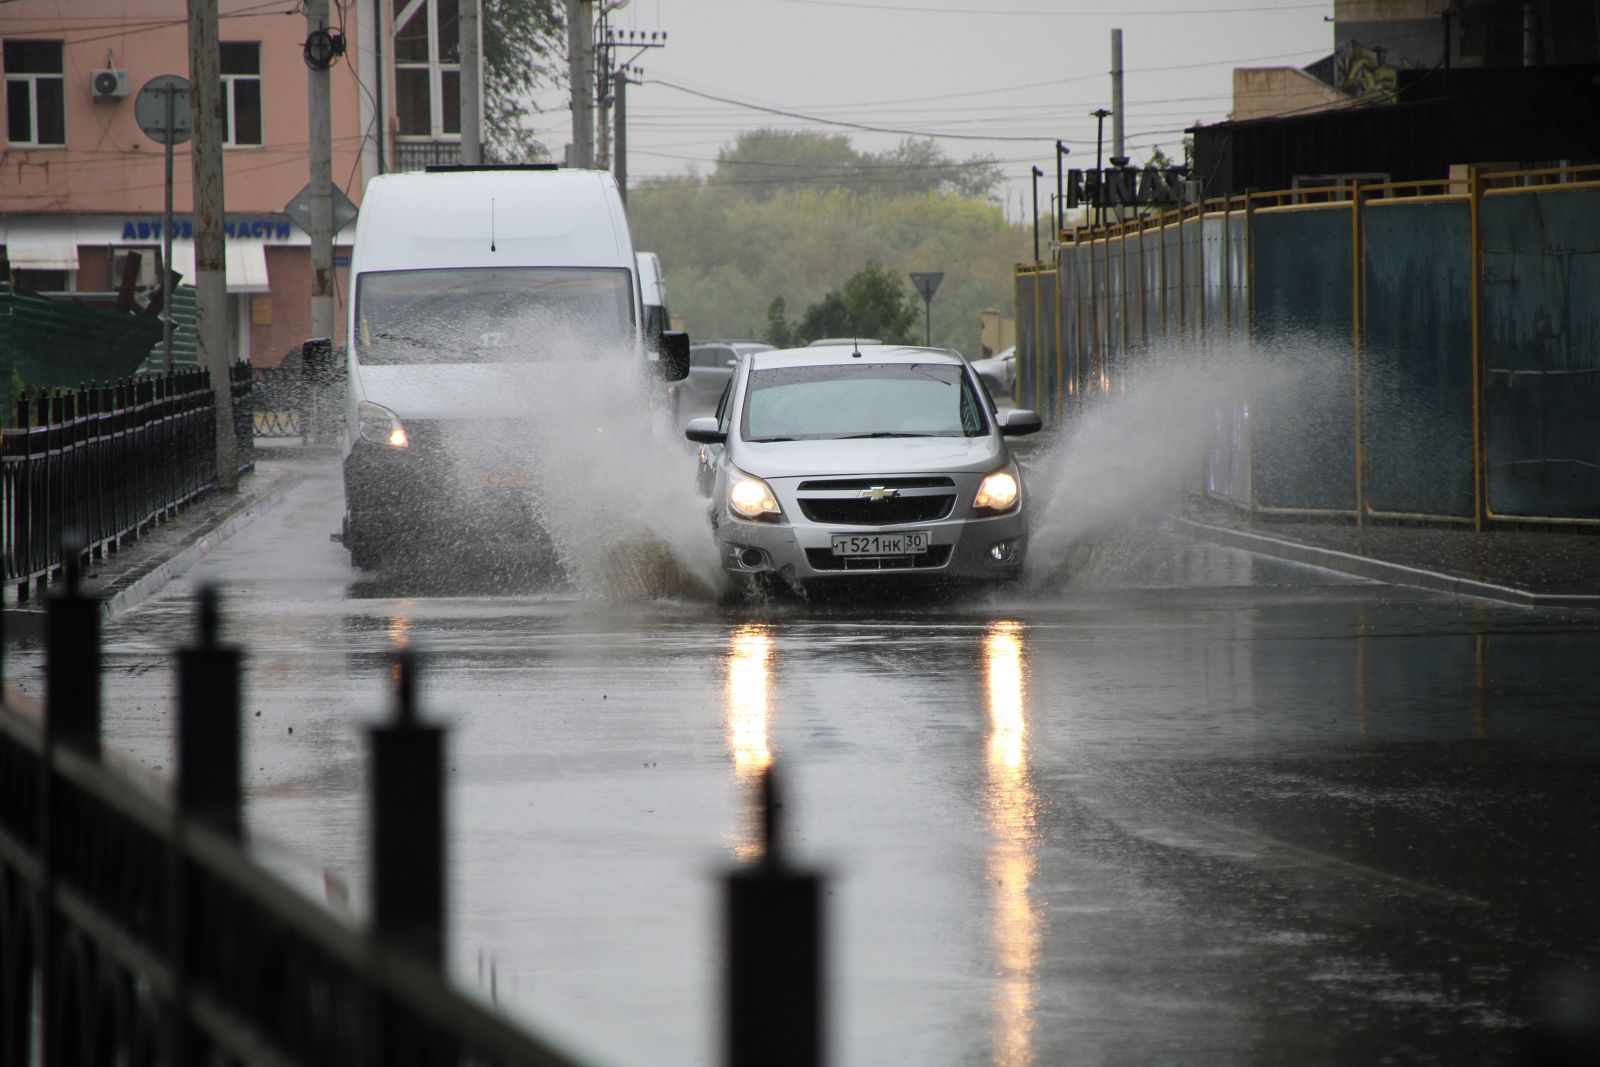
{"x":999,"y":372}
{"x":829,"y":342}
{"x":711,"y":366}
{"x":826,"y":466}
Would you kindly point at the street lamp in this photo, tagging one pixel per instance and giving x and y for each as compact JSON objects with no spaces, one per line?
{"x":1037,"y":174}
{"x":1061,"y":201}
{"x":1099,"y":115}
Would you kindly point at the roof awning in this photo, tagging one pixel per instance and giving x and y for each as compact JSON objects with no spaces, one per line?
{"x":244,"y":261}
{"x":41,"y":247}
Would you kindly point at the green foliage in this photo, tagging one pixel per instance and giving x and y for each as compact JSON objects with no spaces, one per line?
{"x":727,"y":255}
{"x":523,"y":44}
{"x":761,"y":164}
{"x":780,"y":332}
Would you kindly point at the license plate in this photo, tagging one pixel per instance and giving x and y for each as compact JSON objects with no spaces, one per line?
{"x":904,"y":543}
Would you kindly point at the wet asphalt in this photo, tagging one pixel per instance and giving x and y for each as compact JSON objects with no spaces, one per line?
{"x":1191,"y":806}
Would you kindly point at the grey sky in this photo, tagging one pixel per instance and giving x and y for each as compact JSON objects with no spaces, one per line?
{"x":1014,"y":68}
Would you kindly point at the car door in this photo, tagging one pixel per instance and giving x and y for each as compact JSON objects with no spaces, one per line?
{"x":710,"y":368}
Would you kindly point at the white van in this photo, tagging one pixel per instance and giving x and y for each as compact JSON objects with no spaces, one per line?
{"x":470,"y":286}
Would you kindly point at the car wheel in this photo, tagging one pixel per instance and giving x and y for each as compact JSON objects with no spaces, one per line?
{"x":363,"y":546}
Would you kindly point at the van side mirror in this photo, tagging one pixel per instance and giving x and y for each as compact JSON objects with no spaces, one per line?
{"x":673,"y":361}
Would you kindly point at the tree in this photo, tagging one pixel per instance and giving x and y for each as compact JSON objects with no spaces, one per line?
{"x":780,"y":332}
{"x":872,"y":303}
{"x":521,"y":42}
{"x":760,"y":164}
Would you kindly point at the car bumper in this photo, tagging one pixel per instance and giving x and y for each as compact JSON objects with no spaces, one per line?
{"x":975,"y":549}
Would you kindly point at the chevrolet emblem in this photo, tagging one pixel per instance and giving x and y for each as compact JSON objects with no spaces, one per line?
{"x":878,"y":494}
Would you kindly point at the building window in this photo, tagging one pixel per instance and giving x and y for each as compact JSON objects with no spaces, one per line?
{"x":427,"y":68}
{"x":241,"y":93}
{"x":36,"y":99}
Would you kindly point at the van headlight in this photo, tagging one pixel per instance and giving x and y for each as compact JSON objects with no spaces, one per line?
{"x":382,"y":426}
{"x":751,"y":498}
{"x":999,"y":492}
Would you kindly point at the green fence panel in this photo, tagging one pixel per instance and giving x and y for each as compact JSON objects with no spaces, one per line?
{"x":1192,"y":237}
{"x":1416,"y":358}
{"x":1048,"y":303}
{"x":1172,"y":284}
{"x":1304,"y":429}
{"x":1027,"y":314}
{"x":1541,"y":347}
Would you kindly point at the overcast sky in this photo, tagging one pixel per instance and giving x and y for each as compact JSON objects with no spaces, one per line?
{"x":1027,"y":71}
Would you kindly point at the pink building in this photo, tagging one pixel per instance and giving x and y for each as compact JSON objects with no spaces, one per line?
{"x":81,"y":184}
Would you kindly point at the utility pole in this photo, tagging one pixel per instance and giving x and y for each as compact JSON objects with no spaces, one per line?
{"x":580,"y":47}
{"x":621,"y":83}
{"x":471,"y":84}
{"x":1037,"y":174}
{"x":320,"y":125}
{"x":609,"y":42}
{"x":211,"y":282}
{"x":1116,"y":110}
{"x":1061,"y":200}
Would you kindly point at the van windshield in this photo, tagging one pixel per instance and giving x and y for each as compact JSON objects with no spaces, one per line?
{"x":491,"y":314}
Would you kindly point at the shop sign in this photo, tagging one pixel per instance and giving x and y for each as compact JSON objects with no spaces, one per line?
{"x":245,"y":228}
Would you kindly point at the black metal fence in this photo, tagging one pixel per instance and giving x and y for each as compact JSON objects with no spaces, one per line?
{"x":135,"y":933}
{"x":101,"y":465}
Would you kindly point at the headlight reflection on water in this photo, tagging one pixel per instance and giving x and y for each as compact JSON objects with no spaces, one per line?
{"x":1012,"y":811}
{"x":749,"y":689}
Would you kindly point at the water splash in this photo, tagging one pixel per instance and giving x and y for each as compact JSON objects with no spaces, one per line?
{"x":1144,"y":446}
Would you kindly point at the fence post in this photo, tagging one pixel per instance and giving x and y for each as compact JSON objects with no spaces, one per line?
{"x":408,"y":905}
{"x":72,"y":669}
{"x":1480,"y":450}
{"x":72,"y":720}
{"x":208,"y":725}
{"x":773,"y":999}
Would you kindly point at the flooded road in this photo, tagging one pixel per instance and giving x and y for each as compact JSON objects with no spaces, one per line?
{"x":1192,"y":807}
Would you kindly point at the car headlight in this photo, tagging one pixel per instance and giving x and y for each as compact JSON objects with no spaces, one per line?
{"x":751,"y":497}
{"x":382,"y":426}
{"x":998,"y":493}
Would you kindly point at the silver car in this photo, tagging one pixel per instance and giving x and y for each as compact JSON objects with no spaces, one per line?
{"x":829,"y":465}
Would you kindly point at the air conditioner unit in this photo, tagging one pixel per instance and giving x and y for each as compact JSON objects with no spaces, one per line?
{"x":109,"y":84}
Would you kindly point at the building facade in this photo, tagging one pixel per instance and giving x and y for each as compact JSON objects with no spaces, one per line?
{"x":82,"y":185}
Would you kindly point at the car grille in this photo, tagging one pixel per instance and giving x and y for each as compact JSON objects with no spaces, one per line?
{"x":823,"y":559}
{"x":839,"y":500}
{"x":889,"y":511}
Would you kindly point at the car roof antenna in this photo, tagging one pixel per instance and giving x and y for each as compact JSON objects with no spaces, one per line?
{"x":855,"y":341}
{"x":491,"y":224}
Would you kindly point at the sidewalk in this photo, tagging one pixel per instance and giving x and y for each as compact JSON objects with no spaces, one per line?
{"x":1533,"y":568}
{"x":124,"y":579}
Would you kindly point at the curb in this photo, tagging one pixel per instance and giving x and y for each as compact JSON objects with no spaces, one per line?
{"x":132,"y":590}
{"x":1380,"y":570}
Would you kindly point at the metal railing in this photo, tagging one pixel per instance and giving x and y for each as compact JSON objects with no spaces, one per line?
{"x":134,"y":932}
{"x":102,"y":464}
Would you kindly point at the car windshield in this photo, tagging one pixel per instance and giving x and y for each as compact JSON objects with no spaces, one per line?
{"x":490,"y":314}
{"x":861,"y":400}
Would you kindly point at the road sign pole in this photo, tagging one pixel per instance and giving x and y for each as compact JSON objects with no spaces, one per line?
{"x":927,"y":283}
{"x":168,"y":92}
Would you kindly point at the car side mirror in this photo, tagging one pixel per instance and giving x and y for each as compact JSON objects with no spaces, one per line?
{"x":673,"y":360}
{"x":704,"y":430}
{"x":1020,"y":421}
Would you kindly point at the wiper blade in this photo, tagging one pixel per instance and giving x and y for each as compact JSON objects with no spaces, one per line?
{"x":883,"y":433}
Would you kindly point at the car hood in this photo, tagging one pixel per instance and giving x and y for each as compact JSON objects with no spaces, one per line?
{"x":889,"y":455}
{"x":456,"y":390}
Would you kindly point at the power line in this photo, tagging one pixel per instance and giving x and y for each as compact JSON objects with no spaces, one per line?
{"x":1034,"y":13}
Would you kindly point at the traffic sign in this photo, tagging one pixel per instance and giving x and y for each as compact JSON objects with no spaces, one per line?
{"x":150,"y":109}
{"x":927,"y":282}
{"x":299,"y":209}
